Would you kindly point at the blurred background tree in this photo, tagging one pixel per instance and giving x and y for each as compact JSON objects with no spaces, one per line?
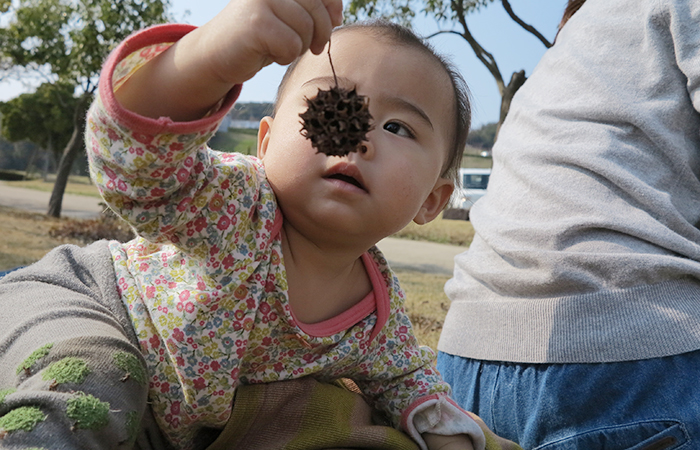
{"x":44,"y":118}
{"x":64,"y":42}
{"x":452,"y":14}
{"x":483,"y":137}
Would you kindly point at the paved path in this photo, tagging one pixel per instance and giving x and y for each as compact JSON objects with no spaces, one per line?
{"x":426,"y":257}
{"x":77,"y":206}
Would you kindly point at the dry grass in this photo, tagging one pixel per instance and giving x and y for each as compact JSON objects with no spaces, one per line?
{"x":426,"y":304}
{"x":27,"y":237}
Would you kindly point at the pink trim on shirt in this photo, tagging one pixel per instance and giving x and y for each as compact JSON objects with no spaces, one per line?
{"x":381,"y":292}
{"x":342,"y":321}
{"x":377,"y":299}
{"x":158,"y":34}
{"x":276,"y":227}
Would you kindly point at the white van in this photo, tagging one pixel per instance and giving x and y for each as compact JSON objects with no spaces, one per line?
{"x":474,"y":182}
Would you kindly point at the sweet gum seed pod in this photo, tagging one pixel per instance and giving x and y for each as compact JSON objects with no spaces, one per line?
{"x":337,"y":121}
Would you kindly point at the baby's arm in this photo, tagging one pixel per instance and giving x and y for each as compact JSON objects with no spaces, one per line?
{"x":188,"y":79}
{"x":399,"y":378}
{"x":152,"y":168}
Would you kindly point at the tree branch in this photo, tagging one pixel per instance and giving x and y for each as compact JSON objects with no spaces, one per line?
{"x":485,"y":57}
{"x":519,"y":21}
{"x":443,"y":32}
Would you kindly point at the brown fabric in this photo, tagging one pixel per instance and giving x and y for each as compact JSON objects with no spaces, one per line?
{"x":304,"y":414}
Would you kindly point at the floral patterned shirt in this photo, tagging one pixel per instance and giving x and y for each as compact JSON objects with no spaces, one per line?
{"x":205,"y":284}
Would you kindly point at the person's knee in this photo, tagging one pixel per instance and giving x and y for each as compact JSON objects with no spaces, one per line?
{"x":87,"y":388}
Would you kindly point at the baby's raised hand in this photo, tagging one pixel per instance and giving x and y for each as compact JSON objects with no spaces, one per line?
{"x":250,"y":34}
{"x":185,"y":81}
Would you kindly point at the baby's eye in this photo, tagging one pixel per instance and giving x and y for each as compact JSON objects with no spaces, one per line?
{"x":399,"y":129}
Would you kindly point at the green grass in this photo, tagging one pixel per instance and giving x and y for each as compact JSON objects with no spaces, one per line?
{"x":236,"y":140}
{"x":472,"y":159}
{"x":476,"y":162}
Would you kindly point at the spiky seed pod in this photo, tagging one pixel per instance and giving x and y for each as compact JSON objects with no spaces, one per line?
{"x":337,"y":121}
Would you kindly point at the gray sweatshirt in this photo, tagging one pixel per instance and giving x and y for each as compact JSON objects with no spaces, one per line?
{"x":587,"y":244}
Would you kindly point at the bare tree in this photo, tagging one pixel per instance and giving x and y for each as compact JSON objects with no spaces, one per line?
{"x":453,"y":13}
{"x":66,"y":41}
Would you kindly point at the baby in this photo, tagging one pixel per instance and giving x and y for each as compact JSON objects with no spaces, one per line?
{"x":260,"y":269}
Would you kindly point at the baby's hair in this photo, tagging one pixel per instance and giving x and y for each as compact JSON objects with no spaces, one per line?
{"x":401,"y":35}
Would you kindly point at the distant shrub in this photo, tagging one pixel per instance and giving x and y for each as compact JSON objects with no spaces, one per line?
{"x":107,"y":226}
{"x":484,"y":136}
{"x":11,"y":175}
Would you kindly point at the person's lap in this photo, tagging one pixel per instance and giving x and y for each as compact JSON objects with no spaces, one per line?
{"x":647,"y":405}
{"x":71,"y":371}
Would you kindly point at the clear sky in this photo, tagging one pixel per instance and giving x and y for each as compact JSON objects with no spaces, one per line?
{"x":512,"y":47}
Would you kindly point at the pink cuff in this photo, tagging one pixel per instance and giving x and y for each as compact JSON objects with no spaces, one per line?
{"x":158,"y":34}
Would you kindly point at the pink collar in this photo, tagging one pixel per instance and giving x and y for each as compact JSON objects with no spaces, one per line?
{"x":377,"y":300}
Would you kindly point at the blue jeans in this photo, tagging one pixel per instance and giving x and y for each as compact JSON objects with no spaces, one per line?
{"x":5,"y":272}
{"x":637,"y":405}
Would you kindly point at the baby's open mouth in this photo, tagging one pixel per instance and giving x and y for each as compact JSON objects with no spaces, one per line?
{"x":346,"y":172}
{"x":347,"y":179}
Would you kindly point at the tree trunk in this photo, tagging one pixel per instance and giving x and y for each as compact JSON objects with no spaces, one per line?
{"x":30,"y":163}
{"x":516,"y":80}
{"x":45,"y":170}
{"x":74,"y":146}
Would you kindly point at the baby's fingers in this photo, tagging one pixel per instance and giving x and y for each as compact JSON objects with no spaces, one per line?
{"x":326,"y":14}
{"x":310,"y":21}
{"x":335,"y":8}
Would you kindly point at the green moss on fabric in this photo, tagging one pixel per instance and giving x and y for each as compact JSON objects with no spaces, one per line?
{"x":88,"y":412}
{"x":131,"y":365}
{"x":34,"y":357}
{"x":23,"y":418}
{"x":4,"y":393}
{"x":67,"y":370}
{"x":132,"y":425}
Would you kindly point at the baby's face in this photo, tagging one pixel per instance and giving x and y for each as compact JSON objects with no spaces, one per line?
{"x":370,"y":195}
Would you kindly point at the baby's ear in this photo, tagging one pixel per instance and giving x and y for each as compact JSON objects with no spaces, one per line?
{"x":264,"y":135}
{"x":436,"y":201}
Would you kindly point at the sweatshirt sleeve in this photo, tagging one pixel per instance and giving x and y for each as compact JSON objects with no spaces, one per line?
{"x":160,"y":175}
{"x":682,"y":22}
